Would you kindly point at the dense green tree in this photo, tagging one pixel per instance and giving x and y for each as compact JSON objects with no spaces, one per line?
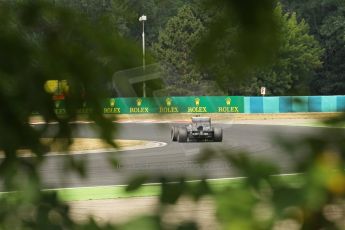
{"x":298,"y":56}
{"x":94,"y":9}
{"x":331,"y":79}
{"x":289,"y":70}
{"x":256,"y":37}
{"x":125,"y":14}
{"x":326,"y":19}
{"x":175,"y":48}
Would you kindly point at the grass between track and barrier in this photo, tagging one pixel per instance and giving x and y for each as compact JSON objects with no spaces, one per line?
{"x":148,"y":190}
{"x":119,"y":191}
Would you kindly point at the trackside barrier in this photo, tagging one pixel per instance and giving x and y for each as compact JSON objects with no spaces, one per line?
{"x":216,"y":104}
{"x":193,"y":104}
{"x":290,"y":104}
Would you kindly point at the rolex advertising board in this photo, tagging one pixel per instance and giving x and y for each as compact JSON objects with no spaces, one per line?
{"x":59,"y":107}
{"x":130,"y":106}
{"x":192,"y":104}
{"x":202,"y":104}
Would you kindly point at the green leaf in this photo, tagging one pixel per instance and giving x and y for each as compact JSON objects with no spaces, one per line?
{"x":136,"y":183}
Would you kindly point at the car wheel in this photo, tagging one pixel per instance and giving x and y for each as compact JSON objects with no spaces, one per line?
{"x":174,"y":133}
{"x":182,"y":135}
{"x":218,"y":134}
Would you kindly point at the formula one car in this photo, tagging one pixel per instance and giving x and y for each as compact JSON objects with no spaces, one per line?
{"x":199,"y":130}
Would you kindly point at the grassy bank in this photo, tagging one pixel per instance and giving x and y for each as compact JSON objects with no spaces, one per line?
{"x":119,"y":191}
{"x":113,"y":192}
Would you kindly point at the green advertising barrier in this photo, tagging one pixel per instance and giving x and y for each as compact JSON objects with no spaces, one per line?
{"x":202,"y":104}
{"x":60,"y":108}
{"x":129,"y":106}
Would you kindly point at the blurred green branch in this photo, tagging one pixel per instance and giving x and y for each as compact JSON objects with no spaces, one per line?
{"x":40,"y":41}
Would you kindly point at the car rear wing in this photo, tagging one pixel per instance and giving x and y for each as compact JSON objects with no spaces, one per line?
{"x":201,"y":119}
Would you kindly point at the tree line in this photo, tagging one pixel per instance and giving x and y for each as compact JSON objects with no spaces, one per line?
{"x":308,"y":60}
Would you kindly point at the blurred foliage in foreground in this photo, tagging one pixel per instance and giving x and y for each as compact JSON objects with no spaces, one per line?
{"x":40,"y":42}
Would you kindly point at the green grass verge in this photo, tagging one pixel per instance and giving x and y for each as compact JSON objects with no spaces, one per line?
{"x":105,"y":192}
{"x":113,"y":192}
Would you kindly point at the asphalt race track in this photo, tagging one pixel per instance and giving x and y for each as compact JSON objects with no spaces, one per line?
{"x":174,"y":158}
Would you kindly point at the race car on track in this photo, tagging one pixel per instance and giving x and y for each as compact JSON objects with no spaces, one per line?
{"x":199,"y":130}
